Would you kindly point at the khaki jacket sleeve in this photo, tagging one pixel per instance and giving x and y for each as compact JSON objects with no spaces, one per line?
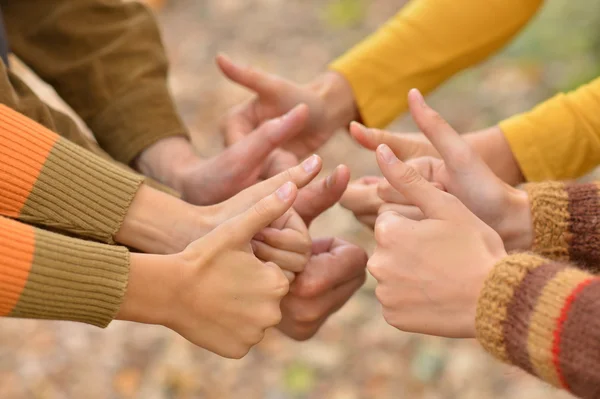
{"x":105,"y":58}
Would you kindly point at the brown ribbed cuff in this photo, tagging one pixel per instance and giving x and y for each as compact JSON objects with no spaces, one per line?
{"x":80,"y":193}
{"x":136,"y":121}
{"x":541,"y":316}
{"x":550,"y":216}
{"x":566,"y":221}
{"x":73,"y":280}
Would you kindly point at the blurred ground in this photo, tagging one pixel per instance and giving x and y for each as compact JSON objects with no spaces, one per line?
{"x":356,"y":355}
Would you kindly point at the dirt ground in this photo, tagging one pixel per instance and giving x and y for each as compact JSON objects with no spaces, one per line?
{"x":356,"y":355}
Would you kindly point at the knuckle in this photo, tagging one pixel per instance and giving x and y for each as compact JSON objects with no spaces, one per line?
{"x":273,"y":316}
{"x":309,"y":288}
{"x":281,"y":285}
{"x":376,"y":269}
{"x":390,"y":317}
{"x":303,"y":333}
{"x":262,"y":209}
{"x":237,"y":351}
{"x":307,"y":314}
{"x":385,"y":229}
{"x":253,"y":337}
{"x":409,"y":176}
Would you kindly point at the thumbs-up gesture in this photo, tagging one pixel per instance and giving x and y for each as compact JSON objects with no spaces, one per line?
{"x":430,"y":272}
{"x":226,"y":297}
{"x":462,"y":172}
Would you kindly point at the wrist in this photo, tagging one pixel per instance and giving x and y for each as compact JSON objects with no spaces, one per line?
{"x":493,"y":148}
{"x":516,"y":230}
{"x":151,"y":288}
{"x":162,"y":224}
{"x":166,"y":161}
{"x":336,"y":93}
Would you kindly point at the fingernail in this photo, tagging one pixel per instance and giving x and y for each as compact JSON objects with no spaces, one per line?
{"x":284,"y":192}
{"x":310,"y":164}
{"x":386,"y":154}
{"x":419,"y":97}
{"x":361,"y":128}
{"x":259,"y":237}
{"x":330,"y":182}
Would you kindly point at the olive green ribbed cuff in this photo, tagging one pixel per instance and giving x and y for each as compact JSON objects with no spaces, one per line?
{"x":74,"y":280}
{"x":80,"y":193}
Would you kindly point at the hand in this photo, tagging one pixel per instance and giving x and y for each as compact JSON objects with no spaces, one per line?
{"x":335,"y":270}
{"x":219,"y":295}
{"x":329,"y":99}
{"x":463,"y":174}
{"x":174,"y":162}
{"x":430,"y":272}
{"x":362,"y":199}
{"x":159,"y":223}
{"x":490,"y":144}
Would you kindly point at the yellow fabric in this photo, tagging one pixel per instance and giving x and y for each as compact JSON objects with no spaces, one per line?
{"x":426,"y":43}
{"x":560,"y":138}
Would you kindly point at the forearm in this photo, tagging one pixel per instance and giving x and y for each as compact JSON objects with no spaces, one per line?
{"x":113,"y":72}
{"x":494,"y":149}
{"x":48,"y":276}
{"x":149,"y":289}
{"x":426,"y":43}
{"x":49,"y":181}
{"x":539,"y":315}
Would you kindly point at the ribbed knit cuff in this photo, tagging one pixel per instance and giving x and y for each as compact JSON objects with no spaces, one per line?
{"x":136,"y":121}
{"x":532,"y":313}
{"x":49,"y":181}
{"x":566,"y":221}
{"x":48,"y":276}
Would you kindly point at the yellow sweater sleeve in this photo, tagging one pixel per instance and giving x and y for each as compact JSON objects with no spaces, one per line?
{"x":560,"y":138}
{"x":427,"y":42}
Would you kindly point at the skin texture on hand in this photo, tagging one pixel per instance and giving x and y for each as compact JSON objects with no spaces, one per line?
{"x":159,"y":223}
{"x":335,"y":269}
{"x":174,"y":162}
{"x":329,"y":99}
{"x":215,"y":293}
{"x":430,"y":272}
{"x":490,"y":144}
{"x":462,"y":173}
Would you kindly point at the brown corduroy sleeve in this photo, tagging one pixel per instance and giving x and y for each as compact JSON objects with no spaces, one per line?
{"x":566,"y":222}
{"x":106,"y":60}
{"x":544,"y":317}
{"x":45,"y":275}
{"x":49,"y":181}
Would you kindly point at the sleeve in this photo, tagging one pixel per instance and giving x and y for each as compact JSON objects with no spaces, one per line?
{"x":560,"y":138}
{"x":105,"y":58}
{"x":541,"y":316}
{"x":426,"y":43}
{"x":566,"y":222}
{"x":44,"y":275}
{"x":48,"y":181}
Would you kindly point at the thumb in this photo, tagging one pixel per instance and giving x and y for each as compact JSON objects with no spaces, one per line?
{"x":252,"y":150}
{"x":404,"y":145}
{"x":455,"y":151}
{"x":317,"y":197}
{"x":260,"y":82}
{"x":434,"y":203}
{"x":245,"y":226}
